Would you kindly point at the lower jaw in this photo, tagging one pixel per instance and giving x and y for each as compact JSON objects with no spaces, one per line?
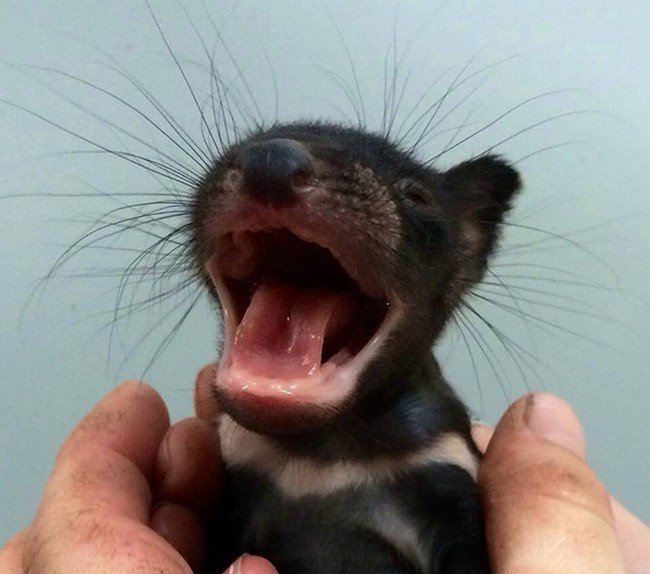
{"x":271,"y":415}
{"x":279,"y":406}
{"x":308,"y":399}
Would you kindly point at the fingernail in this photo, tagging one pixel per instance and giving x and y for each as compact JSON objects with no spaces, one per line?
{"x":164,"y":452}
{"x":550,"y":418}
{"x":236,"y":568}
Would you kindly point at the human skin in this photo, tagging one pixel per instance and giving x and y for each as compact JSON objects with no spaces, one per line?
{"x":130,"y":493}
{"x":545,"y":509}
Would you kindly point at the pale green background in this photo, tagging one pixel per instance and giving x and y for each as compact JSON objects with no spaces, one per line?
{"x":53,"y":355}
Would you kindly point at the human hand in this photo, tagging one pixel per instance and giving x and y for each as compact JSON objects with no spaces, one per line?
{"x":545,"y":510}
{"x":128,"y":494}
{"x":125,"y":501}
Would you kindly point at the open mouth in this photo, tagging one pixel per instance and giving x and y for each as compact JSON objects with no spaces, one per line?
{"x":298,"y":326}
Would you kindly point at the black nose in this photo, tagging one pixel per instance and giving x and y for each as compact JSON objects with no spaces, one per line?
{"x":272,"y":170}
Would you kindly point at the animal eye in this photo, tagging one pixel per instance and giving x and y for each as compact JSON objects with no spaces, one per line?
{"x":417,"y":194}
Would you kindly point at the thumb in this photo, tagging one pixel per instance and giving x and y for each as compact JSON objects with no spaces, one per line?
{"x":545,"y":509}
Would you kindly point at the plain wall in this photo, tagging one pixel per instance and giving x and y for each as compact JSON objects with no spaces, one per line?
{"x":572,"y":300}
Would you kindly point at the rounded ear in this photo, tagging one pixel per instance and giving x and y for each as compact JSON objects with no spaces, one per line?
{"x":481,"y":192}
{"x":484,"y":187}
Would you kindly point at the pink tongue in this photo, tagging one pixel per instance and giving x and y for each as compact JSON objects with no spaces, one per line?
{"x":282,"y":333}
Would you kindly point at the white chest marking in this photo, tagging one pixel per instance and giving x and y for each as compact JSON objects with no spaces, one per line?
{"x":296,"y":476}
{"x":401,"y":533}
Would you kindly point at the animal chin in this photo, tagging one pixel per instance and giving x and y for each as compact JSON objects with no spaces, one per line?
{"x":301,"y":323}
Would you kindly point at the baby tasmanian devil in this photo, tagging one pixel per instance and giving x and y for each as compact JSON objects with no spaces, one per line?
{"x":337,"y":259}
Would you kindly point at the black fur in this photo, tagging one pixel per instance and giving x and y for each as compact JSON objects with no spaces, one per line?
{"x":325,"y":535}
{"x":449,"y":226}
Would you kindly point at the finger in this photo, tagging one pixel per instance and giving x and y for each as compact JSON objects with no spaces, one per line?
{"x":632,"y":534}
{"x":205,"y":403}
{"x":11,"y":554}
{"x":251,"y":565}
{"x":633,"y":538}
{"x":95,"y":509}
{"x":181,"y":528}
{"x":97,"y":543}
{"x":545,"y":509}
{"x":188,"y":469}
{"x":111,"y":423}
{"x":188,"y":480}
{"x":482,"y":433}
{"x":108,"y":458}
